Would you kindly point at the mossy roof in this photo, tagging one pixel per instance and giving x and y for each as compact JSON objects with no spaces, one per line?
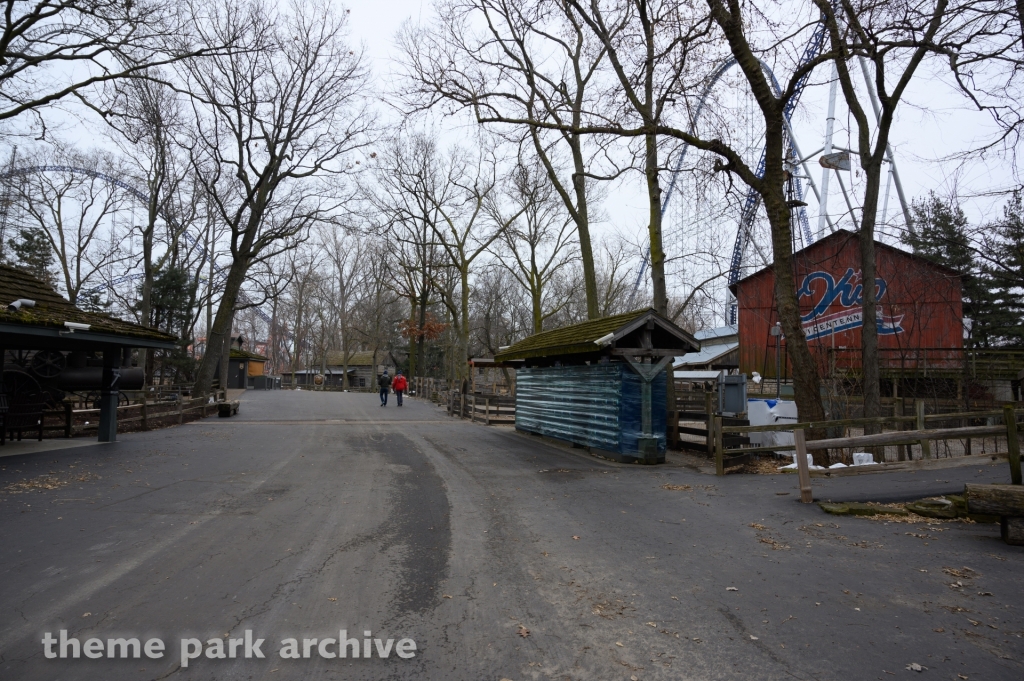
{"x":578,"y":338}
{"x":245,"y":354}
{"x":363,"y":358}
{"x":52,"y":309}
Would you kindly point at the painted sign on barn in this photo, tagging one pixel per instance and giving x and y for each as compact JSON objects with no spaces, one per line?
{"x":919,"y":305}
{"x":836,"y":306}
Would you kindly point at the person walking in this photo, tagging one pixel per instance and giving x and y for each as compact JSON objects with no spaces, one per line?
{"x":385,"y":384}
{"x":399,"y":384}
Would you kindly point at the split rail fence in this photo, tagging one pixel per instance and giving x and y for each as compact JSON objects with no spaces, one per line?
{"x":483,"y":407}
{"x":910,"y":440}
{"x":1008,"y":429}
{"x":143,"y":415}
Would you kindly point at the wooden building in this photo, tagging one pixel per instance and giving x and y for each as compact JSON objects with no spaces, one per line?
{"x":600,"y":385}
{"x":920,"y":313}
{"x":361,"y":370}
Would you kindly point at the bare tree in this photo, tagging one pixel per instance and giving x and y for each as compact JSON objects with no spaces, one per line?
{"x":891,"y":39}
{"x":530,"y":61}
{"x":276,"y":124}
{"x":536,"y":247}
{"x":53,"y":49}
{"x":344,"y":251}
{"x":76,"y":213}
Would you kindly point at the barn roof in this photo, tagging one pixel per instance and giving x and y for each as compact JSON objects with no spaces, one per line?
{"x":840,"y":234}
{"x":46,"y":319}
{"x":582,"y":338}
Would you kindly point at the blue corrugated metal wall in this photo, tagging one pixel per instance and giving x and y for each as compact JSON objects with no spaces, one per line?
{"x":596,"y":405}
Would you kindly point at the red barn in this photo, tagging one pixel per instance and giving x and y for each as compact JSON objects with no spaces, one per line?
{"x":920,"y":314}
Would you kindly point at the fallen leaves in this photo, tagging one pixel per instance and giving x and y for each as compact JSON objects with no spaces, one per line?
{"x":619,"y":644}
{"x":445,"y":596}
{"x":915,"y":667}
{"x":677,"y":488}
{"x":523,"y":631}
{"x":42,"y":483}
{"x":767,"y":538}
{"x":962,"y":573}
{"x":575,"y":536}
{"x":332,"y":600}
{"x":731,"y":588}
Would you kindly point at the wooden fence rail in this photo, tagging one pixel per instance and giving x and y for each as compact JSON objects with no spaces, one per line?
{"x":68,"y":419}
{"x":726,"y":456}
{"x":1009,"y":429}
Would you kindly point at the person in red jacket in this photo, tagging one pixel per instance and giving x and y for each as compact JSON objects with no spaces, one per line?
{"x":399,"y":385}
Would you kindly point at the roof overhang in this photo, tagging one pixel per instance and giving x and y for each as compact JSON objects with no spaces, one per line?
{"x":33,"y":337}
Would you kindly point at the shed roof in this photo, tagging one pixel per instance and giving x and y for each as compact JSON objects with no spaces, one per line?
{"x":336,"y":358}
{"x":46,"y":319}
{"x":708,"y":354}
{"x":245,"y":354}
{"x":582,"y":338}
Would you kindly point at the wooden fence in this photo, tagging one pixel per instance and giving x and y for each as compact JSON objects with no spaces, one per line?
{"x":146,"y":414}
{"x":1007,"y":429}
{"x":910,"y":432}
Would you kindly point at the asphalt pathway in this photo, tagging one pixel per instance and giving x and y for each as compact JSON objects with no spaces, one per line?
{"x":501,"y":556}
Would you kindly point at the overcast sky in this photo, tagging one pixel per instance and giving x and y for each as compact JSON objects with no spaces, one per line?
{"x":932,"y":124}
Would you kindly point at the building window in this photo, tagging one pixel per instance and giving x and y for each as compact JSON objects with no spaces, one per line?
{"x":362,"y":382}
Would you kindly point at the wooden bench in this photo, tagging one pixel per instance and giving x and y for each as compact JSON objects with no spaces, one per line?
{"x":226,"y":409}
{"x":1005,"y":501}
{"x":20,"y":417}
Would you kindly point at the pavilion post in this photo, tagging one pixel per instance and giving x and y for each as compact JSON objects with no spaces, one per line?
{"x":109,"y":394}
{"x":647,"y":372}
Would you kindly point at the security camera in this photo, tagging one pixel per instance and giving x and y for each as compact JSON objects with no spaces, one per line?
{"x":75,"y":326}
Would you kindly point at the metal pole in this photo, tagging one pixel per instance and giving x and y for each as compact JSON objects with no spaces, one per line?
{"x":888,"y":147}
{"x":829,"y":126}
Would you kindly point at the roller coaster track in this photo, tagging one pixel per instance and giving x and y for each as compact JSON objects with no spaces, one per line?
{"x":753,"y":200}
{"x":219,"y":272}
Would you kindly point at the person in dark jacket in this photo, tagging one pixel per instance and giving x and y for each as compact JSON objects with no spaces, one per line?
{"x":385,"y":385}
{"x":399,"y":384}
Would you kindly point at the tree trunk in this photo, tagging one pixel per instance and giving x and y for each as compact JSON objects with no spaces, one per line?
{"x":660,"y":299}
{"x":869,"y":298}
{"x":221,"y":327}
{"x":463,"y":357}
{"x":538,"y":311}
{"x":806,"y":382}
{"x":225,"y":358}
{"x":582,"y":219}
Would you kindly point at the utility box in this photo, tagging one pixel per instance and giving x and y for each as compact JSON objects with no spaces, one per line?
{"x":732,"y":394}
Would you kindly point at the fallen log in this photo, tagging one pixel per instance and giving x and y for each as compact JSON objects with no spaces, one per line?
{"x":1005,"y":500}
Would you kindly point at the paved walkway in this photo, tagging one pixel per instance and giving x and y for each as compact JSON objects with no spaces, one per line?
{"x":502,"y":557}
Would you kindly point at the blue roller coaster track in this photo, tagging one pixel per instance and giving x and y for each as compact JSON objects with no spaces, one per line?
{"x":753,"y":200}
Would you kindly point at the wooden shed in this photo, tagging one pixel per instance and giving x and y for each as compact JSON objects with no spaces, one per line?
{"x":601,"y":384}
{"x":361,"y":370}
{"x":919,"y":308}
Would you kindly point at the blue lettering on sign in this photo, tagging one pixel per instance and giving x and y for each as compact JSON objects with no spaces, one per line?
{"x":849,"y":292}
